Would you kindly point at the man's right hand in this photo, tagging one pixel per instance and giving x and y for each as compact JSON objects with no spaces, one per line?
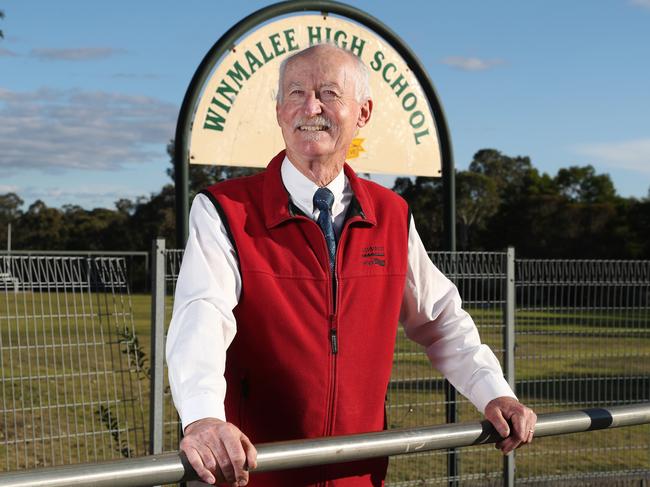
{"x":218,"y":451}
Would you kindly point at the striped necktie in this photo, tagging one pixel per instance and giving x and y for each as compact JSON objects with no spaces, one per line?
{"x":323,"y":199}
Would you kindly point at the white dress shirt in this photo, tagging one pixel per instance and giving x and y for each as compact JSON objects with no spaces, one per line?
{"x":209,"y":285}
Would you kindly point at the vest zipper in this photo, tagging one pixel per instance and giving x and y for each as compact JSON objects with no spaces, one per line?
{"x":334,"y":341}
{"x":334,"y":336}
{"x":334,"y":344}
{"x":331,"y":391}
{"x":333,"y":332}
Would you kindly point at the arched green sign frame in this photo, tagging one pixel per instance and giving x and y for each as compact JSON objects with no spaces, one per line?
{"x":230,"y":38}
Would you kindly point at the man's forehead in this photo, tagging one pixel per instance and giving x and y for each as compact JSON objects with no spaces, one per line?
{"x":324,"y":71}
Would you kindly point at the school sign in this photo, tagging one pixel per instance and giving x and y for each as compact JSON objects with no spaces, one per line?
{"x":235,"y":120}
{"x":228,"y":114}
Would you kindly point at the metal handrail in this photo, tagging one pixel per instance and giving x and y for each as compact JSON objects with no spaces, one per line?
{"x":173,"y":467}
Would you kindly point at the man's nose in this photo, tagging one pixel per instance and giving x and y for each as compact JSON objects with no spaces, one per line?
{"x":312,"y":105}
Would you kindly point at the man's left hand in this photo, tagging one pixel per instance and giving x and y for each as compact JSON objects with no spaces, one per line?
{"x":498,"y":411}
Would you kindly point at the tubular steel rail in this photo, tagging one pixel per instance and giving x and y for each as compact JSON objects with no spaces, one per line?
{"x":173,"y":467}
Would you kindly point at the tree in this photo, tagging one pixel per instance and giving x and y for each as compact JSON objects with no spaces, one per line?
{"x":424,"y":196}
{"x":201,"y":176}
{"x":40,"y":228}
{"x":637,"y":238}
{"x":2,"y":16}
{"x":10,"y":204}
{"x":576,"y":213}
{"x":477,"y":199}
{"x":97,"y":229}
{"x":581,"y":184}
{"x":508,"y":173}
{"x":153,"y":217}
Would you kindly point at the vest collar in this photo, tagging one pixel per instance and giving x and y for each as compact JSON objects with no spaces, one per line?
{"x":277,"y":203}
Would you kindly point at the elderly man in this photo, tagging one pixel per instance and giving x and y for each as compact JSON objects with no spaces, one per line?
{"x":301,"y":273}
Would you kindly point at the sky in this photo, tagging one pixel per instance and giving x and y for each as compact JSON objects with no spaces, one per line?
{"x":90,"y":91}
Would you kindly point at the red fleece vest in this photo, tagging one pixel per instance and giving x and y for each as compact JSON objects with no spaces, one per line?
{"x":306,"y":363}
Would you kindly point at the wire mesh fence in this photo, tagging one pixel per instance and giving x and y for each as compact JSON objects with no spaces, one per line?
{"x":172,"y":425}
{"x":70,"y":370}
{"x":555,"y":300}
{"x":136,"y":263}
{"x":583,"y":340}
{"x":416,"y":392}
{"x":74,"y":373}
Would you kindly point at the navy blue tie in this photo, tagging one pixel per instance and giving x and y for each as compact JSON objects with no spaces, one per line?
{"x":323,"y":199}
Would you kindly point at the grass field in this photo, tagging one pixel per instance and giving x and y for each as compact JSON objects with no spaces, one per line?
{"x":75,"y":386}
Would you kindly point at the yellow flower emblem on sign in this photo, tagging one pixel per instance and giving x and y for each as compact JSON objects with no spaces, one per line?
{"x":355,"y":148}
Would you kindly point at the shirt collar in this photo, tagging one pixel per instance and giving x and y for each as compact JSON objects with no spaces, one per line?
{"x":301,"y":189}
{"x":277,"y":204}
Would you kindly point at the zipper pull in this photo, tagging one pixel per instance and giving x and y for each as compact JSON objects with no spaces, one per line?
{"x":334,"y":341}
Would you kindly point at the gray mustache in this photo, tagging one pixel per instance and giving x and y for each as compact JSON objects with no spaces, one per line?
{"x":318,"y":120}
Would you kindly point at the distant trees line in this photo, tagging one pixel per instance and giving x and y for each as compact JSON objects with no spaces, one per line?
{"x":501,"y":201}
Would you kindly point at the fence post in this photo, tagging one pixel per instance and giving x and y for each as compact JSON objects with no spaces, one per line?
{"x":451,"y":416}
{"x":451,"y":402}
{"x":157,"y":345}
{"x":509,"y":350}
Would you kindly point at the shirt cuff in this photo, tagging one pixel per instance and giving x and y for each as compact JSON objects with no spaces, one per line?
{"x":200,"y":407}
{"x":490,"y":387}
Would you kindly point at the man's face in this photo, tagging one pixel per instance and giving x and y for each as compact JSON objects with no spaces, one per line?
{"x":318,"y":113}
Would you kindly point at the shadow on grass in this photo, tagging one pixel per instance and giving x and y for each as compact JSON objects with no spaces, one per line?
{"x":576,"y":388}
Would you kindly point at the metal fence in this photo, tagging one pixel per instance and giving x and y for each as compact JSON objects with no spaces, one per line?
{"x":137,"y":266}
{"x":417,"y":392}
{"x":70,"y":368}
{"x":582,"y":339}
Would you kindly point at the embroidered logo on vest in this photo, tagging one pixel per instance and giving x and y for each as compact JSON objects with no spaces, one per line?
{"x":372,"y":255}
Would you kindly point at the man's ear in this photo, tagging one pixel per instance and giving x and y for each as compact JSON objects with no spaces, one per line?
{"x":364,"y":113}
{"x":277,"y":112}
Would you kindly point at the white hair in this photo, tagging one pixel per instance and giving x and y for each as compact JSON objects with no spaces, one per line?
{"x":361,"y":76}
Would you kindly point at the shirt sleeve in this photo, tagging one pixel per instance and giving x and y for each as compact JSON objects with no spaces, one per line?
{"x":432,"y":316}
{"x":203,"y":324}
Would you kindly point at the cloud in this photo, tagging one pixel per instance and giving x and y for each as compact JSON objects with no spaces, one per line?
{"x":471,"y":63}
{"x":641,"y":3}
{"x":630,"y":154}
{"x":8,"y":188}
{"x":76,"y":54}
{"x":54,"y":130}
{"x":7,"y":53}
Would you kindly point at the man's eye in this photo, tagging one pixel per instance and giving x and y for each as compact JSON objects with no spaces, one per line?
{"x":329,"y":94}
{"x":296,"y":92}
